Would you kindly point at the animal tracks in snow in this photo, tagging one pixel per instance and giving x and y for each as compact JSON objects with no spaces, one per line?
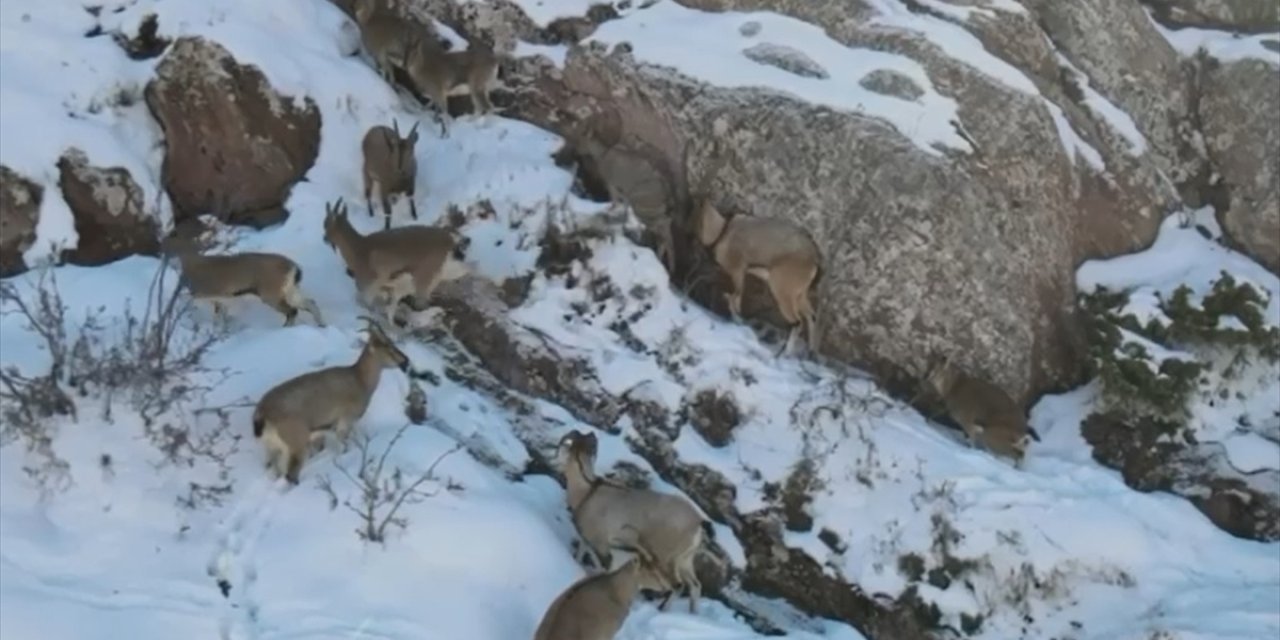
{"x":233,"y":566}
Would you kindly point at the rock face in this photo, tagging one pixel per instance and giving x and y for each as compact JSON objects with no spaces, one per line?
{"x":1248,"y":16}
{"x":1238,"y":106}
{"x":508,"y":353}
{"x":108,"y":206}
{"x":19,"y":211}
{"x":234,"y":146}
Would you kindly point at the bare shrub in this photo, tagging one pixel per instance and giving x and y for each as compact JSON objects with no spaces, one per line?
{"x":150,"y":361}
{"x":383,"y":491}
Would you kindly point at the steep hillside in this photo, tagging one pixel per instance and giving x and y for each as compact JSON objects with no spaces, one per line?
{"x":133,"y":498}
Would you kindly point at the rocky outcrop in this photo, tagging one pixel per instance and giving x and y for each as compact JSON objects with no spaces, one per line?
{"x":1130,"y":63}
{"x":1239,"y":103}
{"x":233,"y":145}
{"x":19,"y":211}
{"x":1246,"y":506}
{"x":897,"y":224}
{"x":887,"y":246}
{"x":516,"y":359}
{"x":1245,"y":16}
{"x":110,"y":218}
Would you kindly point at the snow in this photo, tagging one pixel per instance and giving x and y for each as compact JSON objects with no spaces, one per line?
{"x":1072,"y":144}
{"x":113,"y":554}
{"x":962,"y":45}
{"x":964,"y":13}
{"x":709,"y":47}
{"x":1223,"y":45}
{"x":1116,"y":118}
{"x":1184,"y":256}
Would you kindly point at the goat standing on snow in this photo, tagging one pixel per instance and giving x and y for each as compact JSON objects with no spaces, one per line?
{"x":595,"y":607}
{"x":300,"y":411}
{"x":395,"y":264}
{"x":988,"y":415}
{"x":390,"y":167}
{"x":272,"y":278}
{"x":666,"y":531}
{"x":440,"y":74}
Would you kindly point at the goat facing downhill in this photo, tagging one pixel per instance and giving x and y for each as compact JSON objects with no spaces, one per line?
{"x":395,"y":264}
{"x":779,"y":252}
{"x":390,"y":166}
{"x":988,"y":415}
{"x":296,"y":414}
{"x":594,"y":607}
{"x":666,"y":531}
{"x":272,"y":278}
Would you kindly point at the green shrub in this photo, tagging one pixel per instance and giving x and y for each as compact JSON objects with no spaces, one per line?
{"x":1139,"y":383}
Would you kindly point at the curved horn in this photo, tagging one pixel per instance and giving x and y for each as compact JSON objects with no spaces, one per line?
{"x":414,"y":129}
{"x":375,"y":327}
{"x":395,"y":126}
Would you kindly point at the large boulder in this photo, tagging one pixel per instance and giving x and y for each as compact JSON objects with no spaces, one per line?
{"x":897,"y":224}
{"x":1240,"y":113}
{"x":19,"y":211}
{"x":109,"y":210}
{"x":234,"y":146}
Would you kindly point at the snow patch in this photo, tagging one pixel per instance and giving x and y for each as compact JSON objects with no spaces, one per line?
{"x":709,"y":47}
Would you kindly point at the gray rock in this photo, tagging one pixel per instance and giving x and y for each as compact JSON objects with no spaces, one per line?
{"x":891,"y":83}
{"x":785,"y":58}
{"x":1239,"y":107}
{"x":1245,"y":16}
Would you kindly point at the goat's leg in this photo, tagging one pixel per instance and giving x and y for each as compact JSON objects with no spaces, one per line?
{"x":599,"y":546}
{"x":294,"y":298}
{"x":386,"y":209}
{"x":692,"y":585}
{"x":439,"y":97}
{"x":295,"y":468}
{"x":413,"y":208}
{"x":368,"y":192}
{"x":342,"y":430}
{"x":737,"y":276}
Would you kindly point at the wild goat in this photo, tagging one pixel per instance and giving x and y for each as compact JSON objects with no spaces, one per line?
{"x":666,"y":531}
{"x":300,"y":411}
{"x":407,"y":262}
{"x":440,"y":74}
{"x":635,"y":179}
{"x":390,"y":166}
{"x":272,"y":278}
{"x":986,"y":413}
{"x":595,"y":607}
{"x":385,"y":36}
{"x":779,"y":252}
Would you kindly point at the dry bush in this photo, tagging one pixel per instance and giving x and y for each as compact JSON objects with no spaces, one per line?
{"x":383,"y":491}
{"x":149,"y":363}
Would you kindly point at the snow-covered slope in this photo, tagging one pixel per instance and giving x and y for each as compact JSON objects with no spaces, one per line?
{"x":136,"y":545}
